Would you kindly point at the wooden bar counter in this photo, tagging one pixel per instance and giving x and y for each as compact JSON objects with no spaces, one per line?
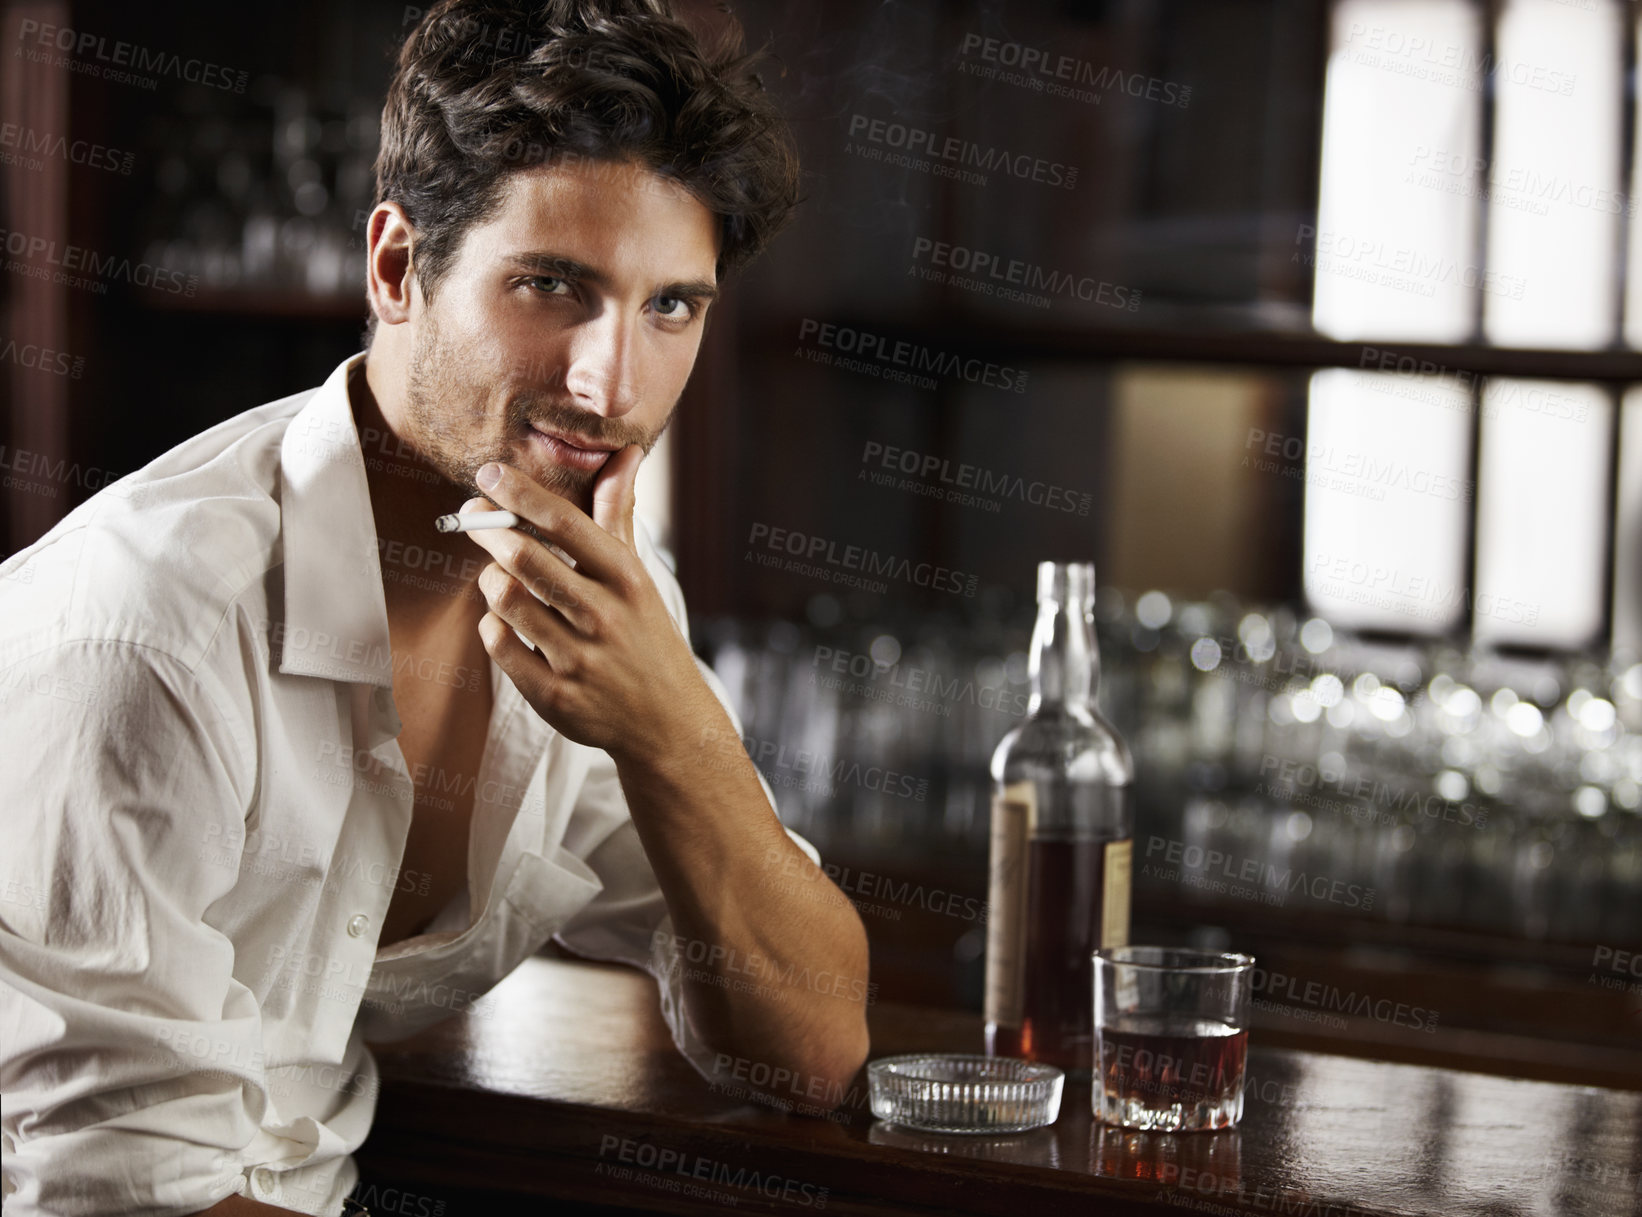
{"x":562,"y":1092}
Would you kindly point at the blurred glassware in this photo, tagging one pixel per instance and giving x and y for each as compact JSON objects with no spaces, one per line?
{"x":266,"y":191}
{"x":1452,"y":788}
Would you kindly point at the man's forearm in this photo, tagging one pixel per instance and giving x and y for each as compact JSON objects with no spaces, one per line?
{"x":774,"y":955}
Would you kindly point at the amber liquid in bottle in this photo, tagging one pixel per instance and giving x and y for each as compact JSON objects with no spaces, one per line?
{"x":1066,"y":889}
{"x":1061,"y":849}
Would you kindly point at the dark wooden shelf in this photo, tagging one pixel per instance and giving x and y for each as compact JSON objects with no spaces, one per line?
{"x":1010,"y":343}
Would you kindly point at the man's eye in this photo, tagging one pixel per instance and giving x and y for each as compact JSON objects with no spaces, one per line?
{"x":550,"y":284}
{"x":674,"y":308}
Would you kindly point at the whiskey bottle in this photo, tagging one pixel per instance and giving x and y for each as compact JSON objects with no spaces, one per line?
{"x":1061,"y":840}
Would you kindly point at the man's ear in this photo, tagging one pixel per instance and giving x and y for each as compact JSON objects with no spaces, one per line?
{"x":389,"y":278}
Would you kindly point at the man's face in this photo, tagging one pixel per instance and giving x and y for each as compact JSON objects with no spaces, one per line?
{"x":564,"y":329}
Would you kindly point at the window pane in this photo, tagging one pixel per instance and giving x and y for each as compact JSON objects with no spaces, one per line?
{"x":1396,"y":229}
{"x":1387,"y":499}
{"x":1633,"y":278}
{"x":1554,"y":201}
{"x":1541,"y":508}
{"x":1627,"y":541}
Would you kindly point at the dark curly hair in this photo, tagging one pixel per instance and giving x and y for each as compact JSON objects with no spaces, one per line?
{"x":485,"y":88}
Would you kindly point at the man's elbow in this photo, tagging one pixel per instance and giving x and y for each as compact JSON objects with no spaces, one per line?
{"x":834,"y":1063}
{"x":819,"y":1073}
{"x":850,"y":1041}
{"x":839,"y":1072}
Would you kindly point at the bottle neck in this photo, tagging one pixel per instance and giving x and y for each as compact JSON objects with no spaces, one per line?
{"x":1065,"y":664}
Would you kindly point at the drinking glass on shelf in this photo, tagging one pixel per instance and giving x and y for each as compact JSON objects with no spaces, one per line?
{"x":1171,"y":1037}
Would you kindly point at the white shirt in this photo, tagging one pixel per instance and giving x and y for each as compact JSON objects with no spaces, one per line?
{"x":204,"y":808}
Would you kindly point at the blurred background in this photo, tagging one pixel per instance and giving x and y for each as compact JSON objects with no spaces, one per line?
{"x":1310,"y":324}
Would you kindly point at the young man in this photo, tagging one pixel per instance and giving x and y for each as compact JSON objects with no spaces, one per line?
{"x":271,"y":787}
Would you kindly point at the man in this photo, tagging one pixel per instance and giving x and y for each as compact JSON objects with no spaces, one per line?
{"x":269,"y":791}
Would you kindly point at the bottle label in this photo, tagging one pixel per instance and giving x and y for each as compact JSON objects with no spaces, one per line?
{"x":1114,"y":913}
{"x":1014,"y":815}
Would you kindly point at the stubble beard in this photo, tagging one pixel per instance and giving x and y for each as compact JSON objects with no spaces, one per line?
{"x":445,"y":438}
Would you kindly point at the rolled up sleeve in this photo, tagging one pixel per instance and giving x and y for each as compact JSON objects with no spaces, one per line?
{"x":130,"y":1057}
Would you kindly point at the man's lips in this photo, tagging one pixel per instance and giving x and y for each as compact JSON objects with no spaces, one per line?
{"x":576,"y":452}
{"x":576,"y":441}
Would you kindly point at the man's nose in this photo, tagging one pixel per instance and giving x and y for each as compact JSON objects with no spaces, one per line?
{"x":603,"y":374}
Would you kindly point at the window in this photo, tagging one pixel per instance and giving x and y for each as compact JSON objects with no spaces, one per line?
{"x":1470,"y":189}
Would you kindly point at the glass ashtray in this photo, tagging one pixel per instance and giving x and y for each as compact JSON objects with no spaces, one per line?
{"x":956,"y":1092}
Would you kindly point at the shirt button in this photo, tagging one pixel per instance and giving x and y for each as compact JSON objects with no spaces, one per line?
{"x":358,"y":924}
{"x":262,"y":1179}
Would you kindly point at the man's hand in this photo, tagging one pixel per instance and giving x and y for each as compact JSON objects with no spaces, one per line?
{"x":613,"y":670}
{"x":616,"y":673}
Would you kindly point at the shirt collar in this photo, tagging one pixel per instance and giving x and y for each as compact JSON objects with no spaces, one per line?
{"x":336,"y":614}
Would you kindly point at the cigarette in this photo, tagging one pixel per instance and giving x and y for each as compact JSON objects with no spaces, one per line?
{"x":469,"y":521}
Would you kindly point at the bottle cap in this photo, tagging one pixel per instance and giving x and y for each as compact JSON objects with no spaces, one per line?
{"x":964,"y":1093}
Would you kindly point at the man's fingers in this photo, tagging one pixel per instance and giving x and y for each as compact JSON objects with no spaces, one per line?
{"x":613,"y":494}
{"x":531,"y":672}
{"x":557,"y":520}
{"x":541,"y":571}
{"x":511,"y":599}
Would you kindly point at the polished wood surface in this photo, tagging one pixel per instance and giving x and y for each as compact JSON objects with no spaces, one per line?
{"x":565,"y":1083}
